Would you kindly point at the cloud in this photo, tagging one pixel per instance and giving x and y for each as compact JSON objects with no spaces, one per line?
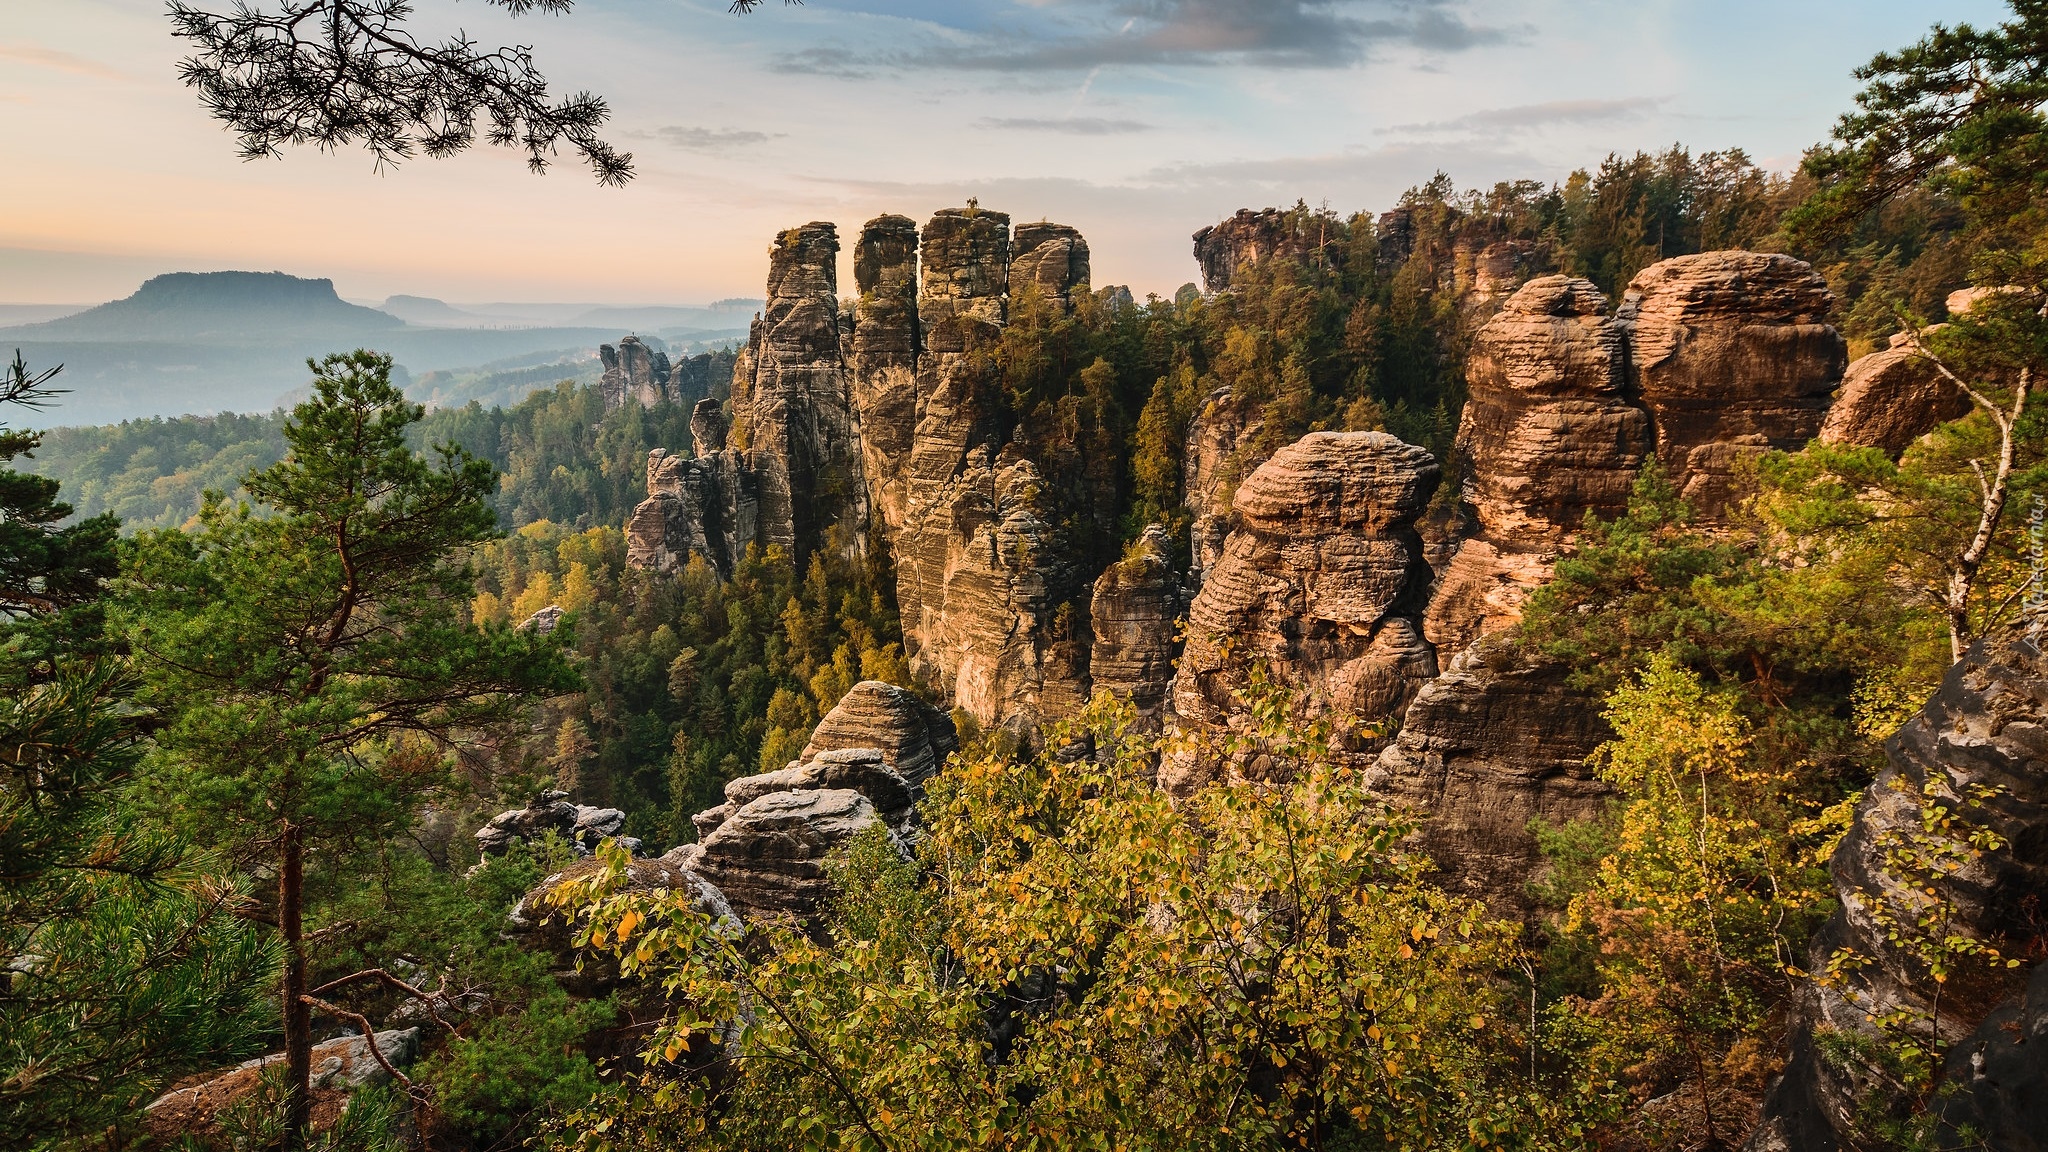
{"x":707,"y":139}
{"x":1522,"y":116}
{"x":1166,"y":33}
{"x":1071,"y":125}
{"x":60,"y":61}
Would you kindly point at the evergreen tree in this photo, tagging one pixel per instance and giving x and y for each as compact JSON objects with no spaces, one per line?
{"x":124,"y":967}
{"x":312,"y":662}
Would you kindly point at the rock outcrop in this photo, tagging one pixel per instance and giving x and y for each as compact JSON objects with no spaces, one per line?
{"x":793,"y":411}
{"x":632,"y":372}
{"x":1322,"y":579}
{"x":1890,"y":399}
{"x":1251,"y":237}
{"x":579,"y":826}
{"x":1547,"y":436}
{"x":1133,"y":615}
{"x":765,"y":848}
{"x":1732,"y":354}
{"x":913,"y":737}
{"x":1052,"y":259}
{"x":1225,"y":443}
{"x":1485,"y":748}
{"x":705,"y":506}
{"x":1984,"y":734}
{"x":340,"y":1067}
{"x":543,"y":931}
{"x":882,"y":359}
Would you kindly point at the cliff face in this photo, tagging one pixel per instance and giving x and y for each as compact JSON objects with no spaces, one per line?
{"x":1987,"y":728}
{"x":1248,"y":238}
{"x":633,"y":373}
{"x":1132,"y":613}
{"x":1732,"y":354}
{"x":1322,"y":579}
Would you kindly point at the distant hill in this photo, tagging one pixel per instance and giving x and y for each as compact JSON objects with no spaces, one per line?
{"x":233,"y":306}
{"x":429,"y":312}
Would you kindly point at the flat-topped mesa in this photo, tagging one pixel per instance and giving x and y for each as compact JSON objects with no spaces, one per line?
{"x":1732,"y":354}
{"x":1053,"y":258}
{"x":793,"y":411}
{"x":632,"y":371}
{"x":1547,"y":436}
{"x":882,"y":360}
{"x":1323,"y":579}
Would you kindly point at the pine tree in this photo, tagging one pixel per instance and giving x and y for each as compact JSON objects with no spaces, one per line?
{"x":124,"y":966}
{"x":295,"y":652}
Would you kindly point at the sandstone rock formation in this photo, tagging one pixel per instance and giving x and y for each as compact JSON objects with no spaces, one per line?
{"x":632,"y":372}
{"x":1732,"y":354}
{"x":767,"y":856}
{"x":1547,"y":437}
{"x":1484,"y":749}
{"x":913,"y":737}
{"x":579,"y":826}
{"x":793,"y":409}
{"x":543,"y":931}
{"x":1890,"y":399}
{"x":705,"y":506}
{"x":1053,"y":258}
{"x":764,"y":848}
{"x":1248,"y":238}
{"x":980,"y":582}
{"x":1322,"y":578}
{"x":882,"y":359}
{"x":1224,"y":445}
{"x":340,"y":1067}
{"x":1132,"y":614}
{"x":1986,"y":728}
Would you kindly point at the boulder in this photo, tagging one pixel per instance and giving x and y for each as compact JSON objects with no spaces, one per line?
{"x":768,"y":856}
{"x":1984,"y":732}
{"x":912,"y":737}
{"x":1890,"y":399}
{"x":1322,"y":579}
{"x":340,"y":1067}
{"x":1132,"y":614}
{"x":862,"y":770}
{"x":1732,"y":354}
{"x":580,"y":826}
{"x":543,"y":622}
{"x":1485,"y":748}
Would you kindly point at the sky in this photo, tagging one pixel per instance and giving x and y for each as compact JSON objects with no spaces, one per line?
{"x":1137,"y":121}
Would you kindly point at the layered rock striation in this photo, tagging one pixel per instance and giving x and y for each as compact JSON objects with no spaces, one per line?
{"x":1322,"y":579}
{"x":882,"y":359}
{"x":1133,"y":613}
{"x":1891,"y":398}
{"x":1732,"y":355}
{"x":1547,"y":436}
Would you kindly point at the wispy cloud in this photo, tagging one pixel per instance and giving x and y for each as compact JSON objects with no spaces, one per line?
{"x":1523,"y":116}
{"x":60,"y":61}
{"x":1071,"y":125}
{"x":707,"y":139}
{"x":1266,"y":33}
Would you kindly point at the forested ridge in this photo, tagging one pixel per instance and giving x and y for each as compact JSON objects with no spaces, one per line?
{"x":265,"y":676}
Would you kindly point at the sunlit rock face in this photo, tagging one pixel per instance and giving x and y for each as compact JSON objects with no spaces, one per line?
{"x":1547,"y":436}
{"x":1890,"y":399}
{"x":1321,"y":579}
{"x":882,"y":361}
{"x":793,"y":410}
{"x":633,"y":373}
{"x":1732,"y":355}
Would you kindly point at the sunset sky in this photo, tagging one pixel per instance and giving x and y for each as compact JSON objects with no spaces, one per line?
{"x":1136,"y":120}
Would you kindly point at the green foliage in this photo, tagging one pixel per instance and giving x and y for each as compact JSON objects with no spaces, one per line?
{"x":123,"y":965}
{"x":1077,"y":960}
{"x":691,"y":681}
